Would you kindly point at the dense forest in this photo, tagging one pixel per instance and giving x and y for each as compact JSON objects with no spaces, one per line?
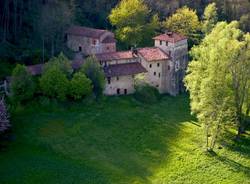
{"x":32,"y":31}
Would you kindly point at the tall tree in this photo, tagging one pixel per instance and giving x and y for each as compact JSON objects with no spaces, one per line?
{"x":130,"y":17}
{"x":186,"y":22}
{"x":210,"y":18}
{"x":218,"y":79}
{"x":94,"y":72}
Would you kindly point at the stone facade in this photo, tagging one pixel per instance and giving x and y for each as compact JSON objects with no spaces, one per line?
{"x":164,"y":64}
{"x":81,"y":40}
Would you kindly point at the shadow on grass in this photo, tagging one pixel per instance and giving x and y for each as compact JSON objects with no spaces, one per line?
{"x":124,"y":139}
{"x":237,"y":167}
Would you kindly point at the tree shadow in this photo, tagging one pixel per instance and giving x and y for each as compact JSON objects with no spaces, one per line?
{"x":237,"y":167}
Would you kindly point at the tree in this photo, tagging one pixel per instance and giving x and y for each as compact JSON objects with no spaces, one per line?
{"x":210,"y":18}
{"x":94,"y":72}
{"x":62,"y":62}
{"x":80,"y":86}
{"x":185,"y":21}
{"x":218,"y":79}
{"x":22,"y":85}
{"x":4,"y":116}
{"x":54,"y":83}
{"x":245,"y":22}
{"x":130,"y":17}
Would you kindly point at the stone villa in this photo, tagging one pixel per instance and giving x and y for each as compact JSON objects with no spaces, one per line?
{"x":163,"y":65}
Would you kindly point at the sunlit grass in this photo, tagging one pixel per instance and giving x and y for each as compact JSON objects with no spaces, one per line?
{"x":117,"y":141}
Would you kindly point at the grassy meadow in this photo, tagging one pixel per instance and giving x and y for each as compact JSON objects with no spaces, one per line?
{"x":117,"y":141}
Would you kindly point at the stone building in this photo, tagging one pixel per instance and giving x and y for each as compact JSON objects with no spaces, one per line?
{"x":164,"y":66}
{"x":89,"y":41}
{"x":120,"y":69}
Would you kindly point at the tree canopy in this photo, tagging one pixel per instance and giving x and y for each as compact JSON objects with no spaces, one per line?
{"x":130,"y":17}
{"x":218,"y":79}
{"x":185,"y":21}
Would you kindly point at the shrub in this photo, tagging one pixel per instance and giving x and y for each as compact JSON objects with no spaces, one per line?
{"x":54,"y":83}
{"x":80,"y":86}
{"x":62,"y":62}
{"x":95,"y":73}
{"x":22,"y":85}
{"x":4,"y":117}
{"x":146,"y":93}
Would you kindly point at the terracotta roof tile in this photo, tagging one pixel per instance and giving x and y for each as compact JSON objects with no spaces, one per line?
{"x":115,"y":56}
{"x":170,"y":37}
{"x":153,"y":54}
{"x":85,"y":31}
{"x":124,"y":69}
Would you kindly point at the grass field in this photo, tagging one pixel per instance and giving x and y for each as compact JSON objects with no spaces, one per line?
{"x":117,"y":141}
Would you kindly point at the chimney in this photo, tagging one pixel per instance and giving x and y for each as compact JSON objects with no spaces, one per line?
{"x":169,"y":33}
{"x":134,"y":51}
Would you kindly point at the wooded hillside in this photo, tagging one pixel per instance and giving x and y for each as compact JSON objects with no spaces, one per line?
{"x":32,"y":30}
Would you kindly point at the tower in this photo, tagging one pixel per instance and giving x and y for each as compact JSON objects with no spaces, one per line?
{"x":176,"y":46}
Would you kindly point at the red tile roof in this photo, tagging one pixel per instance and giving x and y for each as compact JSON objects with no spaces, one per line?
{"x":115,"y":56}
{"x":170,"y":37}
{"x":85,"y":31}
{"x":109,"y":39}
{"x":124,"y":69}
{"x":153,"y":54}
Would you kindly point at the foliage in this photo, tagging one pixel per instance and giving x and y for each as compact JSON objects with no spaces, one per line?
{"x":22,"y":85}
{"x":54,"y":83}
{"x":80,"y":86}
{"x":146,"y":93}
{"x":62,"y":62}
{"x":4,"y":116}
{"x":218,"y":79}
{"x":94,"y":72}
{"x":210,"y":18}
{"x":130,"y":19}
{"x":150,"y":144}
{"x":245,"y":22}
{"x":186,"y":22}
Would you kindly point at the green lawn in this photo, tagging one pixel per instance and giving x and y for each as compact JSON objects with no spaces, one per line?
{"x":118,"y":141}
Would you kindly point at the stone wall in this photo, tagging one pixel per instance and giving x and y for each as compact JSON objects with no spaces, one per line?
{"x":120,"y":83}
{"x":89,"y":46}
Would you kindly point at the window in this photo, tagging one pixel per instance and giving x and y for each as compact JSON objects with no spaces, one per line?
{"x":80,"y":49}
{"x":168,"y":67}
{"x":94,"y":42}
{"x":157,"y":86}
{"x":117,"y":78}
{"x":154,"y":73}
{"x":109,"y":80}
{"x":160,"y":42}
{"x":158,"y":64}
{"x":150,"y":66}
{"x":166,"y":43}
{"x":159,"y":75}
{"x":118,"y":91}
{"x":101,"y":63}
{"x":125,"y":91}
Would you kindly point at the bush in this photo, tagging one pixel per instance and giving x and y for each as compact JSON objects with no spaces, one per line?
{"x":4,"y":116}
{"x":54,"y":83}
{"x":22,"y":85}
{"x":62,"y":62}
{"x":80,"y":86}
{"x":146,"y":93}
{"x":95,"y":73}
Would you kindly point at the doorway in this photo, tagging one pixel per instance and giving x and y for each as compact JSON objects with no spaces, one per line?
{"x":125,"y":91}
{"x":118,"y":91}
